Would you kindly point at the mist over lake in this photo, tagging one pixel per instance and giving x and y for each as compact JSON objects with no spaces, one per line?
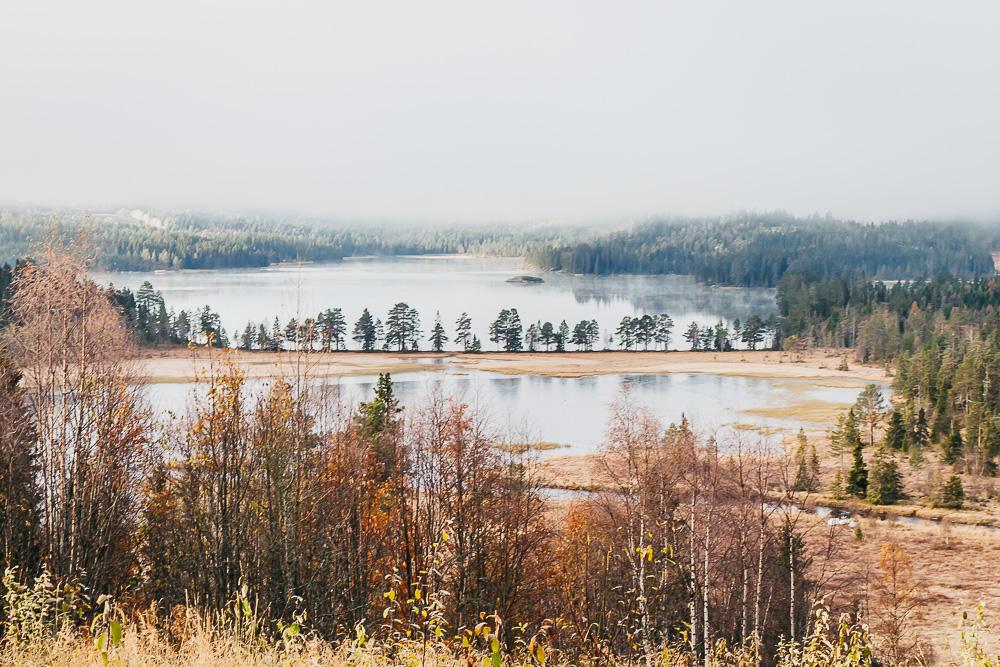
{"x":449,"y":285}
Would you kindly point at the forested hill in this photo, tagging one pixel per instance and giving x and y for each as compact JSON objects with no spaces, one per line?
{"x":758,"y":250}
{"x":133,"y":240}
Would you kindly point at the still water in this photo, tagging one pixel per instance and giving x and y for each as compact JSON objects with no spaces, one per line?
{"x":574,"y":411}
{"x":449,"y":285}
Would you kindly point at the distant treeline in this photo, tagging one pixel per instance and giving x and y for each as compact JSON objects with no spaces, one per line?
{"x":127,"y":241}
{"x":757,"y":250}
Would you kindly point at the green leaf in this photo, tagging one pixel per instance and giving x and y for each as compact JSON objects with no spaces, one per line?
{"x":116,"y":633}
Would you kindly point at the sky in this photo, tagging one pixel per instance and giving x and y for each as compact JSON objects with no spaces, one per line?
{"x":533,"y":111}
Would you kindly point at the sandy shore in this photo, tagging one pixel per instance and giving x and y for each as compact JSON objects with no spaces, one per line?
{"x":180,"y":365}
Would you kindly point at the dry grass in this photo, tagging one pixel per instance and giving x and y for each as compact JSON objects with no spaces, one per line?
{"x":525,"y":447}
{"x":178,"y":364}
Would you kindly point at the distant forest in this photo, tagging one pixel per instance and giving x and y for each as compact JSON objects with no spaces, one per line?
{"x":745,"y":250}
{"x":124,"y":241}
{"x":757,"y":250}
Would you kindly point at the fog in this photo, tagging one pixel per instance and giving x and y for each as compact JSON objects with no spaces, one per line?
{"x":513,"y":111}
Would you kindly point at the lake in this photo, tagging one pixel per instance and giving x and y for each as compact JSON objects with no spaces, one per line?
{"x":449,"y":285}
{"x":575,"y":411}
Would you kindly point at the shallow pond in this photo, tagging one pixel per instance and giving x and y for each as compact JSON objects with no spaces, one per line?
{"x":574,"y":412}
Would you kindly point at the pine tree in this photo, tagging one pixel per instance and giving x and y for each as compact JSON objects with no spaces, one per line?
{"x":869,"y":409}
{"x":547,"y":335}
{"x":400,"y":326}
{"x":895,"y":435}
{"x":645,"y":331}
{"x":626,"y":333}
{"x":753,"y":332}
{"x":475,"y":345}
{"x":693,"y":336}
{"x":664,"y":327}
{"x":498,"y":329}
{"x":438,"y":337}
{"x":413,"y":334}
{"x":531,"y":337}
{"x":463,"y":331}
{"x":885,"y":485}
{"x":563,"y":337}
{"x":332,"y":329}
{"x":721,"y":338}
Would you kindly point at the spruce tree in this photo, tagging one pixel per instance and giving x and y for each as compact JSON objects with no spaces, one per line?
{"x":438,"y":337}
{"x":895,"y":434}
{"x":951,"y":494}
{"x":953,"y":445}
{"x":513,"y":336}
{"x":804,"y":480}
{"x":920,"y":434}
{"x":857,"y":478}
{"x":885,"y":485}
{"x":364,"y":332}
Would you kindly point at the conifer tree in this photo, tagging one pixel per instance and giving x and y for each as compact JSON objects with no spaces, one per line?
{"x":364,"y":332}
{"x":919,"y":434}
{"x":463,"y":331}
{"x":563,"y":337}
{"x":438,"y":337}
{"x":885,"y":484}
{"x":869,"y":409}
{"x":513,"y":336}
{"x":857,"y":478}
{"x":664,"y":327}
{"x":895,"y":434}
{"x":693,"y":336}
{"x":248,"y":337}
{"x":952,"y":494}
{"x":953,"y":445}
{"x":498,"y":329}
{"x":804,"y":479}
{"x":626,"y":333}
{"x":547,"y":335}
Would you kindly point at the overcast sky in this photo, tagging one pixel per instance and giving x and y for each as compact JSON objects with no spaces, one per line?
{"x":516,"y":111}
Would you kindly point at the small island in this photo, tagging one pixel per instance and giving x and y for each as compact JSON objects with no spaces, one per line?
{"x":525,"y":280}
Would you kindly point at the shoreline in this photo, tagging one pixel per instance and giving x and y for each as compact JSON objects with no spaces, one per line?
{"x":162,"y":365}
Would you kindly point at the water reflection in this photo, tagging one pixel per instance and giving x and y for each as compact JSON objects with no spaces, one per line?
{"x":575,"y":411}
